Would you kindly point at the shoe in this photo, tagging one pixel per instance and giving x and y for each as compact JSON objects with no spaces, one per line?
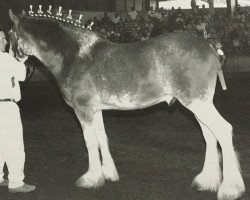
{"x":4,"y":183}
{"x":24,"y":189}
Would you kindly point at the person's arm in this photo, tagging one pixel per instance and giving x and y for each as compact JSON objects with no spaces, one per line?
{"x":16,"y":68}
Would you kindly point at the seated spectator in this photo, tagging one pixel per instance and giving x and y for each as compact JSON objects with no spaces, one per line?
{"x":164,"y":15}
{"x":201,"y":29}
{"x":235,"y":38}
{"x":96,"y":25}
{"x":151,"y":12}
{"x":190,"y":28}
{"x":179,"y":23}
{"x":149,"y":26}
{"x":180,"y":12}
{"x":135,"y":35}
{"x":144,"y":36}
{"x":113,"y":35}
{"x":212,"y":34}
{"x":133,"y":15}
{"x":96,"y":21}
{"x":141,"y":20}
{"x":116,"y":19}
{"x":103,"y":33}
{"x":158,"y":15}
{"x":88,"y":22}
{"x":106,"y":20}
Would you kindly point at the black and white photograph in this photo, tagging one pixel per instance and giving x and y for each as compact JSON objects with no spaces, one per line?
{"x":124,"y":99}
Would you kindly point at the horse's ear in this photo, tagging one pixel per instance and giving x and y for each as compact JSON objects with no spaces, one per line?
{"x":13,"y":17}
{"x":23,"y":14}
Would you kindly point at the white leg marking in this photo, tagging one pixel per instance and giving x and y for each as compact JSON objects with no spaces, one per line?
{"x":232,"y":186}
{"x":108,"y":166}
{"x":210,"y":176}
{"x":93,"y":178}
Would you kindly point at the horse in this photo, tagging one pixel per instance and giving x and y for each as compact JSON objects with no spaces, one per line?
{"x":94,"y":75}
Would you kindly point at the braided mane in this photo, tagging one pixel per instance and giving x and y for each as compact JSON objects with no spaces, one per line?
{"x":58,"y":15}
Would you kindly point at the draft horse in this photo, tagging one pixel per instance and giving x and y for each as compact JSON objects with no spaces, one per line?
{"x":94,"y":74}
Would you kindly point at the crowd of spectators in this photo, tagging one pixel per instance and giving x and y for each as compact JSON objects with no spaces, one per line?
{"x":232,"y":30}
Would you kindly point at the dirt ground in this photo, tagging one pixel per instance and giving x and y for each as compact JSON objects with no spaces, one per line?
{"x":157,"y":151}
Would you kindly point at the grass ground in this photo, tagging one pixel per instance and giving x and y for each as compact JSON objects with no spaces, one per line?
{"x":158,"y":151}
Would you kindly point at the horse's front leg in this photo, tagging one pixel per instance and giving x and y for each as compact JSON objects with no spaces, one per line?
{"x":108,"y":166}
{"x":93,"y":177}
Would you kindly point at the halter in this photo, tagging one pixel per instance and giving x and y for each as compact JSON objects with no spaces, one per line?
{"x":59,"y":16}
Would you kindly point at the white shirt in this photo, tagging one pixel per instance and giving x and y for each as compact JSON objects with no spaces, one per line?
{"x":11,"y":71}
{"x":133,"y":14}
{"x":116,"y":19}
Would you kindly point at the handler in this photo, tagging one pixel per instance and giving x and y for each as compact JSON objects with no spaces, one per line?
{"x":11,"y":130}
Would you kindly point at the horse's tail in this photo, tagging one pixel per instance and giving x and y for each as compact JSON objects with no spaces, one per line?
{"x":217,"y":48}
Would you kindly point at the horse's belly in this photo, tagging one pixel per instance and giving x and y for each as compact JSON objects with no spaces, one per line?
{"x":145,"y":95}
{"x":128,"y":102}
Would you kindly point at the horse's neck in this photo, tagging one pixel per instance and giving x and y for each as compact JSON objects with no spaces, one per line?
{"x":55,"y":61}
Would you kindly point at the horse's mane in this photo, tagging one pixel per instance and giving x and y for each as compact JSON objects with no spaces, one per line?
{"x":58,"y":33}
{"x":58,"y":15}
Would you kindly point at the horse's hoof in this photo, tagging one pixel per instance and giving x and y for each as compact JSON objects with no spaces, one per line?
{"x":110,"y":173}
{"x":210,"y":182}
{"x":90,"y":180}
{"x":231,"y":190}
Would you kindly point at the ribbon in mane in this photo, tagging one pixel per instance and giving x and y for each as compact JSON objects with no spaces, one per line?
{"x":59,"y":16}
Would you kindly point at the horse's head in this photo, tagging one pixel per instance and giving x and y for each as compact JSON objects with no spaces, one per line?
{"x":43,"y":38}
{"x":56,"y":41}
{"x":19,"y":41}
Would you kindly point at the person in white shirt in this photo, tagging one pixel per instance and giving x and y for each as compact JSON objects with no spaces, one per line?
{"x":11,"y":130}
{"x":133,"y":15}
{"x":116,"y":19}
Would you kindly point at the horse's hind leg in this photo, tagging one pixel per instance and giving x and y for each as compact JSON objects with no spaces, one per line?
{"x":93,"y":177}
{"x":232,"y":186}
{"x":210,"y":176}
{"x":108,"y":166}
